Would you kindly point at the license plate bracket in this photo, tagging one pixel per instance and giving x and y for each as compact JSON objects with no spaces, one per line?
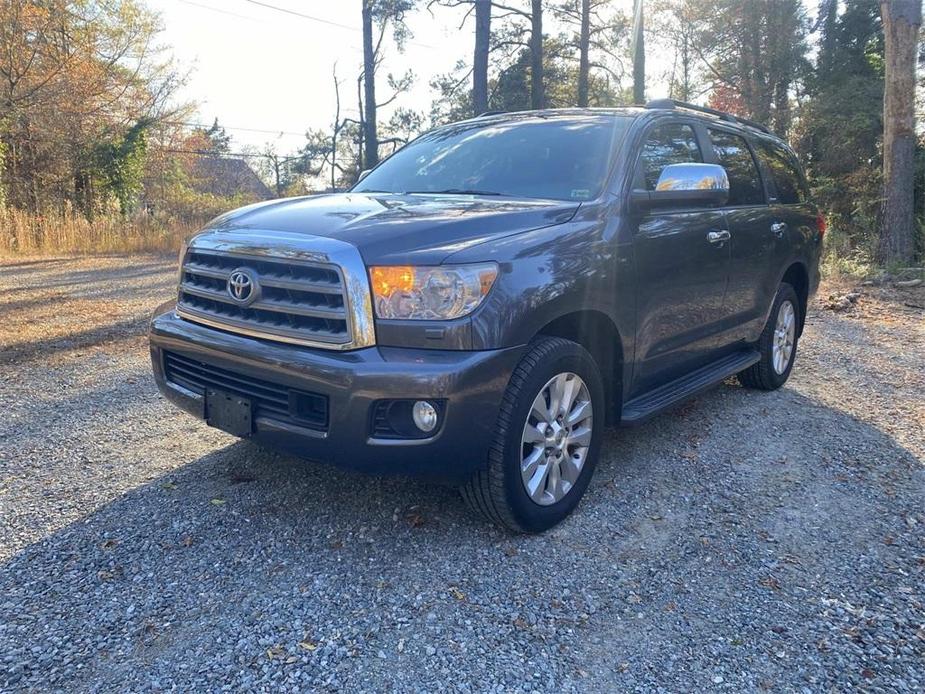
{"x":228,"y":412}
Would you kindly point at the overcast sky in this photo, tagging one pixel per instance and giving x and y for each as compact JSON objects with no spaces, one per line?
{"x":257,"y":68}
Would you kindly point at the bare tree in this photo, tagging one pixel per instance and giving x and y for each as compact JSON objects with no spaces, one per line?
{"x":481,"y":51}
{"x":379,"y":14}
{"x":534,"y":43}
{"x":901,"y":22}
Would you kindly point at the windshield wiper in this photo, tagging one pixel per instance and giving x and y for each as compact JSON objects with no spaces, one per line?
{"x":453,"y":191}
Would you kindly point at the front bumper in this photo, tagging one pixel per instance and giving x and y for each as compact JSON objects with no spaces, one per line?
{"x":470,"y":383}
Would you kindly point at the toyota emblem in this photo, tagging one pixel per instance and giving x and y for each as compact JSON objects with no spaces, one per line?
{"x":242,"y":286}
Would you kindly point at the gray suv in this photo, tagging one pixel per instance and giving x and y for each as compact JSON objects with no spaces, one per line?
{"x":482,"y":304}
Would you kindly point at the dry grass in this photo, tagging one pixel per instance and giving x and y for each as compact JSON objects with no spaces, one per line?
{"x":23,"y":233}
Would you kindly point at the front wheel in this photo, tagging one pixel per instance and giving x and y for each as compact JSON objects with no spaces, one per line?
{"x":547,"y":439}
{"x":777,"y":344}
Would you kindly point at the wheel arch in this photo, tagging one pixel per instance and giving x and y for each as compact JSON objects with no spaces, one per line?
{"x":797,"y":276}
{"x":597,"y":333}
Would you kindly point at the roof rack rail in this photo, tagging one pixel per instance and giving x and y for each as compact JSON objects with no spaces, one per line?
{"x":722,"y":115}
{"x":490,"y":113}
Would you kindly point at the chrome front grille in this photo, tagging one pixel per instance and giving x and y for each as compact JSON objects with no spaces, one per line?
{"x":293,"y":298}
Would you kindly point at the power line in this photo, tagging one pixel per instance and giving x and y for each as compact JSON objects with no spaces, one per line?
{"x":223,"y":155}
{"x":206,"y":126}
{"x":303,"y":16}
{"x":219,"y":10}
{"x":325,"y":21}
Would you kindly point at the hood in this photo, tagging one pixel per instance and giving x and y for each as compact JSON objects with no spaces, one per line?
{"x":400,"y":229}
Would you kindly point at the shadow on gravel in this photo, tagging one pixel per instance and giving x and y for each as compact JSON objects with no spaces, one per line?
{"x":22,"y":352}
{"x":74,"y":278}
{"x":708,"y":543}
{"x":32,"y":263}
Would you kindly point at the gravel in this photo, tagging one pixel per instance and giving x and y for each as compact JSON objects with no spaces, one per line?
{"x":743,"y":541}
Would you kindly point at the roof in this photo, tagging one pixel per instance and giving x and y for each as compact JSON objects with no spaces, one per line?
{"x":227,"y":177}
{"x":656,"y":105}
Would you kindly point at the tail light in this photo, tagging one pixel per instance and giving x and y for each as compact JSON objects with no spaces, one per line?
{"x":821,"y":226}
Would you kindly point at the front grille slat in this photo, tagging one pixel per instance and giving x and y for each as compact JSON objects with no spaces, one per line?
{"x":316,"y":287}
{"x":288,"y":307}
{"x":299,"y":301}
{"x":206,"y":271}
{"x":270,"y":400}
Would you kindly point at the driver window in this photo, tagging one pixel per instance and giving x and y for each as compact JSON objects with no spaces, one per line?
{"x":671,"y":143}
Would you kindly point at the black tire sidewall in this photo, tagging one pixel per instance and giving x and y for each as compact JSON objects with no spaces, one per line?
{"x":531,"y":516}
{"x":785,"y":293}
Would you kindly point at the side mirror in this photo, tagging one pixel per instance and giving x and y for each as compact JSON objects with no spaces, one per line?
{"x":685,"y":185}
{"x":363,"y":174}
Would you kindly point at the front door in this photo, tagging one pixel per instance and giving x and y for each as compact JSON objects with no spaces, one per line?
{"x":682,"y":264}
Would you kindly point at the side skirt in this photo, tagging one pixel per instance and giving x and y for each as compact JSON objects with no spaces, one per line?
{"x":659,"y":399}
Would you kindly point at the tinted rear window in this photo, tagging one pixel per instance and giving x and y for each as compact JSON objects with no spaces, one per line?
{"x":557,"y":157}
{"x":733,"y":154}
{"x":788,"y":180}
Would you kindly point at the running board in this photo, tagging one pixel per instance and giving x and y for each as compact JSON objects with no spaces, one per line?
{"x":641,"y":408}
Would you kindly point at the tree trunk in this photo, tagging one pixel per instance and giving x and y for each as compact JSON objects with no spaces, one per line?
{"x":639,"y":55}
{"x":901,"y":21}
{"x":362,"y":127}
{"x":782,"y":107}
{"x":685,"y":65}
{"x":537,"y":91}
{"x":584,"y":42}
{"x":371,"y":136}
{"x":480,"y":58}
{"x":334,"y":134}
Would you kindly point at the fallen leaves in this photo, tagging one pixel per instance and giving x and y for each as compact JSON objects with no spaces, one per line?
{"x":457,"y":593}
{"x":770,"y":582}
{"x":217,"y":502}
{"x":415,"y":520}
{"x":841,"y":302}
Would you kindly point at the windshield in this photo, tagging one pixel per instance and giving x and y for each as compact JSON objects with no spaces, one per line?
{"x":556,"y":157}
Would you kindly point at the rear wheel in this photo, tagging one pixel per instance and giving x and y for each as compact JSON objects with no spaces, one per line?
{"x":547,"y":439}
{"x":777,"y":344}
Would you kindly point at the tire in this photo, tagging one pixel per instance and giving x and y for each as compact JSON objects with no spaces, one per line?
{"x":764,"y":375}
{"x":499,"y":492}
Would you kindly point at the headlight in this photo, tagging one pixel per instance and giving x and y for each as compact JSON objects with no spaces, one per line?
{"x":430,"y":293}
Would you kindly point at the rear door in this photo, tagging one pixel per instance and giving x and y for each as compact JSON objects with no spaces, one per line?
{"x":755,"y":248}
{"x":680,"y":274}
{"x":792,"y":217}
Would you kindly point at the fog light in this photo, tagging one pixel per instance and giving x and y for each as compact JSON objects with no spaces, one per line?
{"x":424,"y":415}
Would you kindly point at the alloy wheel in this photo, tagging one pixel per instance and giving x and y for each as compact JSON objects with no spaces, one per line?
{"x":784,"y":334}
{"x":556,"y":438}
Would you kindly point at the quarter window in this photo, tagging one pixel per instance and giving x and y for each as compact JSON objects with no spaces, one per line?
{"x":673,"y":143}
{"x":789,"y":182}
{"x":733,"y":154}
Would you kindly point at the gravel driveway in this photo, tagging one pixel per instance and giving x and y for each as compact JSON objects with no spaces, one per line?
{"x":745,"y":541}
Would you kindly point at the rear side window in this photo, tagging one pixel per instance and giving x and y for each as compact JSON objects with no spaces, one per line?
{"x":672,"y":143}
{"x":733,"y":154}
{"x":789,"y":182}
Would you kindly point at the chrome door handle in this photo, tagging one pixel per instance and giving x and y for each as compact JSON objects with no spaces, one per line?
{"x":718,"y":236}
{"x":778,"y":228}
